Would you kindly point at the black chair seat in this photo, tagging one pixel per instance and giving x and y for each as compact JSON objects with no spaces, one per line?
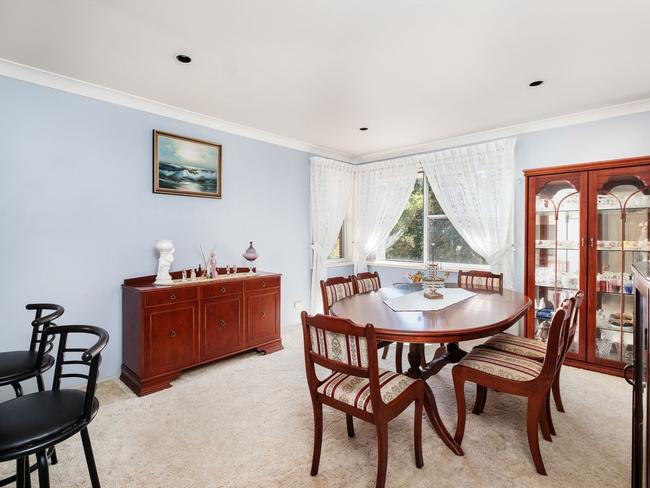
{"x":33,"y":418}
{"x":18,"y":365}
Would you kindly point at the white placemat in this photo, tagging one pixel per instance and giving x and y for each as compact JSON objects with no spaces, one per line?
{"x":416,"y":302}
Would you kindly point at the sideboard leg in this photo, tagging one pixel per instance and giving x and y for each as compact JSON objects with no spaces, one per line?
{"x":271,"y":347}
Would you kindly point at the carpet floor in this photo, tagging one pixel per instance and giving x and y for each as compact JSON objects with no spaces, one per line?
{"x":247,"y":422}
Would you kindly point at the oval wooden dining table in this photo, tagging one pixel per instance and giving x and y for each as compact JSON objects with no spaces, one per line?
{"x":482,"y":315}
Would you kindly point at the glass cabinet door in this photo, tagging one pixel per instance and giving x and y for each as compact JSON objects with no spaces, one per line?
{"x":559,"y":241}
{"x":618,"y":238}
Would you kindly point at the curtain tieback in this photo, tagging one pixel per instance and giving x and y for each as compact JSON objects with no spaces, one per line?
{"x":318,"y":249}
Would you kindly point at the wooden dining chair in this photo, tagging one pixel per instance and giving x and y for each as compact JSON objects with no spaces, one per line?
{"x":481,"y":280}
{"x":517,"y":375}
{"x":339,"y":287}
{"x":535,"y":349}
{"x":335,"y":289}
{"x":366,"y":282}
{"x":356,"y":385}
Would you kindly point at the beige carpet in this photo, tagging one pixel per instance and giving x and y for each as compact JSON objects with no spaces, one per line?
{"x":247,"y":422}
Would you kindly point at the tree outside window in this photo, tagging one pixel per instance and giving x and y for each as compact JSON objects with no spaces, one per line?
{"x":415,"y":228}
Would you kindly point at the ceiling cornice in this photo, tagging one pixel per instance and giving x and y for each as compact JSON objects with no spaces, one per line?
{"x":61,"y":82}
{"x":38,"y":76}
{"x":512,"y":130}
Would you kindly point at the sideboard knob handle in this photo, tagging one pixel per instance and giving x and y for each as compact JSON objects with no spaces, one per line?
{"x":262,"y":314}
{"x":222,"y":323}
{"x":263,"y":284}
{"x":172,"y":296}
{"x":173,"y":333}
{"x":222,"y":289}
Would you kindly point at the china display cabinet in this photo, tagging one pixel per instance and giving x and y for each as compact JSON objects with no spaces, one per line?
{"x":586,"y":225}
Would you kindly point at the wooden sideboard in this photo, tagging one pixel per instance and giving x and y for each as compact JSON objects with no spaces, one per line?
{"x":166,"y":329}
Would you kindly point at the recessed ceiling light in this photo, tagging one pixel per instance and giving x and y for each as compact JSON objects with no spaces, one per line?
{"x":363,"y":128}
{"x":183,"y":58}
{"x":536,"y":83}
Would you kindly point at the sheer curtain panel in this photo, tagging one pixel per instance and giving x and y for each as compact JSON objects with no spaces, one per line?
{"x":381,"y":192}
{"x":475,"y":187}
{"x":332,"y":184}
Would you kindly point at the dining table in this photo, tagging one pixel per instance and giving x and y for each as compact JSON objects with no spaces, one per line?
{"x":485,"y":313}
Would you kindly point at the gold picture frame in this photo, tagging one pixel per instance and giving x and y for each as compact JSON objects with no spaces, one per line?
{"x":186,"y":166}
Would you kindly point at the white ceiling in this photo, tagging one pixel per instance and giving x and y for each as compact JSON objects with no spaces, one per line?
{"x":316,"y":71}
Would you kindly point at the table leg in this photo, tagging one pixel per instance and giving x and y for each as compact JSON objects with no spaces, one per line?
{"x":430,"y":406}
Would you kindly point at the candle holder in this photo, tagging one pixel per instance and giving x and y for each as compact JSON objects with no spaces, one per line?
{"x":432,"y":281}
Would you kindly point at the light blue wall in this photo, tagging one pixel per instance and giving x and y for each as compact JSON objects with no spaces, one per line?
{"x":77,"y":214}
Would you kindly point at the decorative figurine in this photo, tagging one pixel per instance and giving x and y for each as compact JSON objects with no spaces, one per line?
{"x":213,"y":266}
{"x":165,"y":249}
{"x":192,"y":275}
{"x":183,"y":276}
{"x":250,"y":255}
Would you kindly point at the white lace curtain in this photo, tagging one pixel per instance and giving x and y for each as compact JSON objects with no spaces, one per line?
{"x":381,"y":192}
{"x":332,"y":184}
{"x":475,"y":187}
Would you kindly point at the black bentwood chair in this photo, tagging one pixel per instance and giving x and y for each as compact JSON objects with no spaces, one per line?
{"x":31,"y":424}
{"x":17,"y":366}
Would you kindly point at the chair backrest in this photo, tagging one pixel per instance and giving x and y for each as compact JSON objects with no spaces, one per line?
{"x":344,"y":347}
{"x":366,"y":282}
{"x":89,"y":357}
{"x":41,"y":322}
{"x":480,"y":280}
{"x":576,"y":302}
{"x":334,"y":289}
{"x":556,"y":342}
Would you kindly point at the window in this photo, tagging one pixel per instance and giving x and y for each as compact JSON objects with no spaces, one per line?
{"x":338,"y":252}
{"x":406,"y":242}
{"x":420,"y":236}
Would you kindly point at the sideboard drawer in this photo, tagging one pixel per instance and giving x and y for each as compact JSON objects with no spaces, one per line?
{"x":262,"y":283}
{"x":166,"y":297}
{"x":221,"y":289}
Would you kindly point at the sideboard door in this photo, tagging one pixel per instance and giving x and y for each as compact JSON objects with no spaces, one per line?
{"x":170,"y":338}
{"x":263,"y":311}
{"x":222,"y":326}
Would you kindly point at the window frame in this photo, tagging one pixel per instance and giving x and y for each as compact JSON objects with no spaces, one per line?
{"x":344,"y":260}
{"x":444,"y":266}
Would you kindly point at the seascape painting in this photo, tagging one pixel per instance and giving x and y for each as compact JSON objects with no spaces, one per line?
{"x":184,"y":166}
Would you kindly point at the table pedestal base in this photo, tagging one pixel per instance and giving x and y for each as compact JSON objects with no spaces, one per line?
{"x":452,"y":353}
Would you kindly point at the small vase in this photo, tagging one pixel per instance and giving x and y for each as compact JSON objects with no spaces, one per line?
{"x":250,"y":255}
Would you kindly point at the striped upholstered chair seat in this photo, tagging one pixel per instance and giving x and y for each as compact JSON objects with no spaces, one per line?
{"x":522,"y":346}
{"x":355,"y":391}
{"x":502,"y":364}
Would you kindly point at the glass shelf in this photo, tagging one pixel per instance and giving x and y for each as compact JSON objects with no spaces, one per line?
{"x":557,"y":287}
{"x":614,"y":328}
{"x":618,"y":249}
{"x":614,"y":293}
{"x":557,"y":248}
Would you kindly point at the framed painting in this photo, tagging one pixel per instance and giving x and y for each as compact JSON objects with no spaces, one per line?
{"x":185,"y":166}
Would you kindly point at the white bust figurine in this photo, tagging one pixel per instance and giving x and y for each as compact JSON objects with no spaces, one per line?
{"x":166,"y":249}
